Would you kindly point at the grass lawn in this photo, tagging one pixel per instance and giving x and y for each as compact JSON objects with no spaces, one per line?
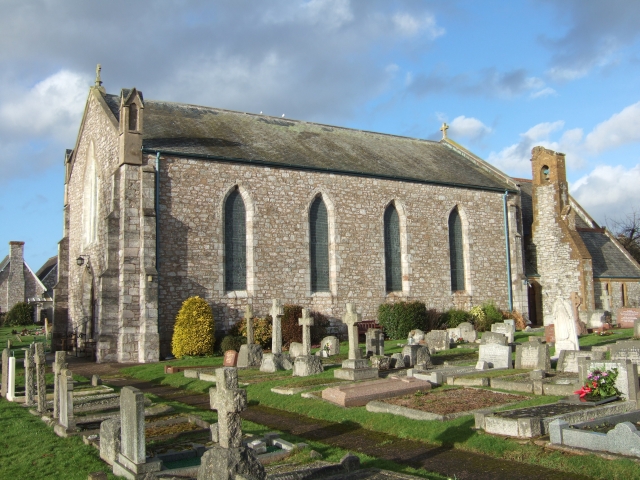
{"x":25,"y":340}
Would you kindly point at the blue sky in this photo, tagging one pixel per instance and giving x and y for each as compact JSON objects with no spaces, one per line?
{"x":505,"y":75}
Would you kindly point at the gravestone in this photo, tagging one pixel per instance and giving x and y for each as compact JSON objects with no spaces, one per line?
{"x":423,"y":358}
{"x":95,"y":380}
{"x":626,"y":350}
{"x":11,"y":382}
{"x":306,"y":364}
{"x":41,"y":380}
{"x":625,"y":317}
{"x":467,"y":332}
{"x":550,"y":334}
{"x":132,"y":460}
{"x":29,"y":376}
{"x":410,"y":354}
{"x":66,"y":421}
{"x":380,"y":362}
{"x":59,"y":363}
{"x":636,"y":328}
{"x":229,"y":459}
{"x":6,"y":353}
{"x":295,"y":350}
{"x":533,"y":355}
{"x":506,"y":329}
{"x":496,"y":356}
{"x":437,"y":340}
{"x":415,"y":336}
{"x":510,"y":321}
{"x":493,"y":338}
{"x":354,"y":368}
{"x":454,"y":334}
{"x":397,"y":361}
{"x":565,"y":327}
{"x":374,"y":342}
{"x":250,"y":355}
{"x":330,"y":345}
{"x":110,"y":440}
{"x":276,"y":360}
{"x":568,"y":359}
{"x":230,"y":358}
{"x":627,"y":381}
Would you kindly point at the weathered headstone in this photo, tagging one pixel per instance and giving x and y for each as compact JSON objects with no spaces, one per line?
{"x":229,"y":459}
{"x":467,"y":332}
{"x":568,"y":359}
{"x":380,"y":362}
{"x":510,"y":321}
{"x":306,"y":364}
{"x":423,"y":358}
{"x":29,"y":376}
{"x":355,"y":368}
{"x":230,"y":358}
{"x":415,"y":336}
{"x":250,"y":355}
{"x":627,"y":381}
{"x":95,"y":380}
{"x":132,"y":460}
{"x":11,"y":382}
{"x":5,"y":372}
{"x":397,"y":361}
{"x":437,"y":340}
{"x":493,"y":338}
{"x":533,"y":355}
{"x":454,"y":334}
{"x":66,"y":422}
{"x":410,"y":354}
{"x":506,"y":329}
{"x":636,"y":328}
{"x":295,"y":350}
{"x":110,"y":440}
{"x":625,"y":317}
{"x":59,"y":363}
{"x":626,"y":350}
{"x":330,"y":345}
{"x":41,"y":364}
{"x":276,"y":360}
{"x":374,"y":342}
{"x":565,"y":327}
{"x":550,"y":334}
{"x":496,"y":356}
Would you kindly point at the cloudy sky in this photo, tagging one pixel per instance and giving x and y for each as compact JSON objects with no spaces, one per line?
{"x":505,"y":75}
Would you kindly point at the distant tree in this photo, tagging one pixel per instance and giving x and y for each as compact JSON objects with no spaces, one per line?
{"x":627,"y":230}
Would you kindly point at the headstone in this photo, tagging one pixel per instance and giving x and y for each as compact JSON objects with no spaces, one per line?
{"x":230,"y":358}
{"x":437,"y":340}
{"x":410,"y":354}
{"x":65,"y":418}
{"x":493,"y":338}
{"x":380,"y":362}
{"x":277,"y":311}
{"x":626,"y":350}
{"x":397,"y":361}
{"x":110,"y":440}
{"x":41,"y":364}
{"x":96,"y":381}
{"x":510,"y":321}
{"x":355,"y":368}
{"x":636,"y":328}
{"x":29,"y":376}
{"x":11,"y":383}
{"x":374,"y":342}
{"x":59,"y":364}
{"x":627,"y":381}
{"x":5,"y":372}
{"x":550,"y":333}
{"x":533,"y":355}
{"x":415,"y":336}
{"x":625,"y":317}
{"x":250,"y":355}
{"x":295,"y":350}
{"x":569,"y":359}
{"x":423,"y":358}
{"x":454,"y":334}
{"x":306,"y":364}
{"x":132,"y":459}
{"x":46,"y":328}
{"x":482,"y":365}
{"x":576,"y":301}
{"x":230,"y":459}
{"x":331,"y":345}
{"x":9,"y":344}
{"x":497,"y":356}
{"x":506,"y":329}
{"x":565,"y":327}
{"x":467,"y":332}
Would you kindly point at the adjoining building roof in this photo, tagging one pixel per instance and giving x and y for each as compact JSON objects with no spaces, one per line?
{"x":608,"y":260}
{"x":190,"y":130}
{"x":46,"y":267}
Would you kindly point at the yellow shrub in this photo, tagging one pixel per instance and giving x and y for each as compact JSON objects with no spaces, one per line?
{"x":261,"y":330}
{"x":193,"y":333}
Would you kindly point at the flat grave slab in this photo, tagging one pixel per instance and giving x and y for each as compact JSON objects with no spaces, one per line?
{"x":359,"y":394}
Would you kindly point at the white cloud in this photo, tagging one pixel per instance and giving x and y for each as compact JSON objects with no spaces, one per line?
{"x":545,"y":92}
{"x":619,"y":129}
{"x":409,"y":25}
{"x":607,"y":191}
{"x":468,"y":127}
{"x":329,"y":13}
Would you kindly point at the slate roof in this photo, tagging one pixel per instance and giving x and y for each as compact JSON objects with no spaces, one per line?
{"x":608,"y":259}
{"x":4,"y":263}
{"x":227,"y":135}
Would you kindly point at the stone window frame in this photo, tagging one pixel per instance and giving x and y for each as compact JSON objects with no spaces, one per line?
{"x":405,"y":260}
{"x":623,"y":294}
{"x":249,"y":206}
{"x":90,"y":203}
{"x":466,"y":247}
{"x":333,"y":264}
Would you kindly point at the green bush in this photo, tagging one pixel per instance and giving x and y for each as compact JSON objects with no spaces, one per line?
{"x":261,"y":330}
{"x":193,"y":333}
{"x":232,"y":342}
{"x":20,"y":314}
{"x":454,"y":317}
{"x":399,"y":319}
{"x":485,"y":315}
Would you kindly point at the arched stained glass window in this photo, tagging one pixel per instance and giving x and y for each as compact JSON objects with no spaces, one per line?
{"x":235,"y":243}
{"x":319,"y":246}
{"x":392,"y":251}
{"x":456,"y":252}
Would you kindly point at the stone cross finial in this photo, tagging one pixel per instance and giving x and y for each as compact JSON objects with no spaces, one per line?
{"x":306,"y":322}
{"x":444,"y":129}
{"x":229,"y":401}
{"x":351,"y":319}
{"x":248,"y":316}
{"x":98,"y":79}
{"x":276,"y":331}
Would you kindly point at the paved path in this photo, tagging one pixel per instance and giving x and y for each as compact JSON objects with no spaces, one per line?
{"x":349,"y":436}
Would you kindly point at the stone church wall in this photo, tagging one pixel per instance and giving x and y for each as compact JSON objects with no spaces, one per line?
{"x":191,"y":248}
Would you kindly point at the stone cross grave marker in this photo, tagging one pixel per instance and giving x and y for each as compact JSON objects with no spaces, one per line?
{"x":248,"y":316}
{"x":374,"y":342}
{"x":29,"y":376}
{"x":306,"y":322}
{"x":11,"y":375}
{"x":277,"y":311}
{"x":5,"y":372}
{"x":229,"y":401}
{"x":66,"y":399}
{"x":351,"y":319}
{"x":59,"y":363}
{"x":41,"y":363}
{"x":564,"y":327}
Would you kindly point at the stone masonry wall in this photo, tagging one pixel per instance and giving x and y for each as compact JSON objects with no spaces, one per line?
{"x":191,"y":245}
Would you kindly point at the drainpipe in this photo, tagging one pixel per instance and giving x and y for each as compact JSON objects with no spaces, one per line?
{"x":158,"y":215}
{"x":506,"y":241}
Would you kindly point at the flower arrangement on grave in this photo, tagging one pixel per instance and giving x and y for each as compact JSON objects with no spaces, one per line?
{"x":460,"y":340}
{"x":600,"y":384}
{"x":327,"y":348}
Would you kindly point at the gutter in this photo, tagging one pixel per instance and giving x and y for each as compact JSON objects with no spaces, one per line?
{"x":506,"y":241}
{"x":266,"y":163}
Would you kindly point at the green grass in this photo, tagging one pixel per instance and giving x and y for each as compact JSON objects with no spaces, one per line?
{"x":17,"y":346}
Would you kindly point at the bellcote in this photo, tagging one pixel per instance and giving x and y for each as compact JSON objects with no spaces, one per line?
{"x":131,"y":126}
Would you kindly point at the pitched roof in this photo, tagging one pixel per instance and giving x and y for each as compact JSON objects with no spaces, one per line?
{"x":608,"y":259}
{"x":46,"y":268}
{"x":190,"y":130}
